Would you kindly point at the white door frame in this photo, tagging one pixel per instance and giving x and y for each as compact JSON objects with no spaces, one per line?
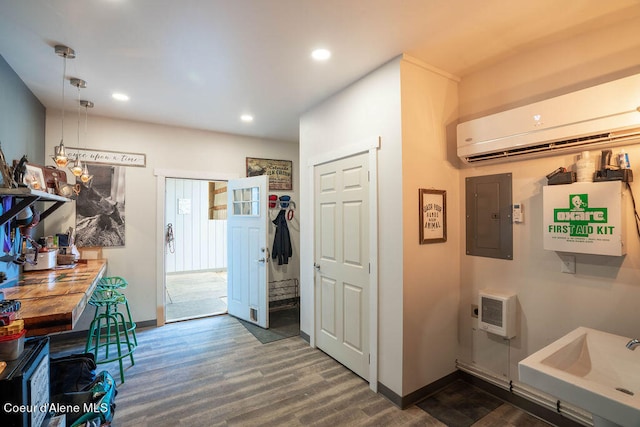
{"x":161,"y":175}
{"x":370,"y":145}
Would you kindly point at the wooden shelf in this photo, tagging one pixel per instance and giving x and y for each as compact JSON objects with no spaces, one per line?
{"x":22,"y":192}
{"x":27,"y":198}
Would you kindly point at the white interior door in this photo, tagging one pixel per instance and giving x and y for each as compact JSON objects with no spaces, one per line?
{"x":247,"y":272}
{"x":342,"y":261}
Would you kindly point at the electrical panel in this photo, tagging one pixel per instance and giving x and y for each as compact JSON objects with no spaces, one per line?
{"x":489,"y":227}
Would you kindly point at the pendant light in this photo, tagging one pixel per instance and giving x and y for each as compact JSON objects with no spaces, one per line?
{"x":76,"y":166}
{"x":85,"y":177}
{"x":59,"y":153}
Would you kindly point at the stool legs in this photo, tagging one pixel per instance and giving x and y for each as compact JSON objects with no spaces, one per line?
{"x":117,"y":283}
{"x":115,"y":329}
{"x":131,"y":326}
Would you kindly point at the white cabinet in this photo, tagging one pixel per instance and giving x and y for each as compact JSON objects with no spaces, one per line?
{"x":584,"y":218}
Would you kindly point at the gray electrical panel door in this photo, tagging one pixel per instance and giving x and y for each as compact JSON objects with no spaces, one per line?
{"x":489,"y":225}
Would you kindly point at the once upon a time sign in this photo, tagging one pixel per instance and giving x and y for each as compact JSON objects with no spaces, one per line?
{"x":107,"y":157}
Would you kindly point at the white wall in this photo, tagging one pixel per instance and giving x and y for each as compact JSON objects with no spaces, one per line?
{"x":167,"y":148}
{"x":604,"y":291}
{"x":366,"y":110}
{"x":199,"y":243}
{"x":431,"y":275}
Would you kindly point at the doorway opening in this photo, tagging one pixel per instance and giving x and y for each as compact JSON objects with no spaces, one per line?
{"x":195,"y":248}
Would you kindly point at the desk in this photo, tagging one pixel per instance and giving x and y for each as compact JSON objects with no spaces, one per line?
{"x":53,"y":300}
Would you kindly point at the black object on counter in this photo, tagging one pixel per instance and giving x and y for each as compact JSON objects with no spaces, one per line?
{"x":562,"y":178}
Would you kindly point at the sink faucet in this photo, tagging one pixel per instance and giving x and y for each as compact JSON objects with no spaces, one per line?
{"x":632,"y":344}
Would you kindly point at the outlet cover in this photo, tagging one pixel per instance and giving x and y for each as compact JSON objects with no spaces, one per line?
{"x":568,"y":264}
{"x":474,"y":310}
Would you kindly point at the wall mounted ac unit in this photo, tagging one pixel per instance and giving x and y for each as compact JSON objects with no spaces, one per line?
{"x":599,"y":116}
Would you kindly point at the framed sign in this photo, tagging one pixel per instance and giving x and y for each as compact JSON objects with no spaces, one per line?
{"x":116,"y":158}
{"x":433,"y":216}
{"x":280,"y":172}
{"x":34,"y":178}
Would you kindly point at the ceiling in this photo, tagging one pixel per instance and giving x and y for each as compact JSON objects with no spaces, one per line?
{"x":202,"y":63}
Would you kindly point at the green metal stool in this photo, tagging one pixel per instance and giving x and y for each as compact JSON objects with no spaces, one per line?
{"x":109,"y":328}
{"x":115,"y":283}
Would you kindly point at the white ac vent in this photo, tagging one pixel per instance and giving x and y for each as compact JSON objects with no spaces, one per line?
{"x":599,"y":116}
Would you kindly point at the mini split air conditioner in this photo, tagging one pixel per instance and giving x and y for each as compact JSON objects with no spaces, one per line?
{"x":605,"y":114}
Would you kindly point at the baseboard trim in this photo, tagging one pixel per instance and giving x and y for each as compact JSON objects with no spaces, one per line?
{"x":526,"y":405}
{"x":389,"y":394}
{"x":305,"y":336}
{"x":404,"y":402}
{"x":74,"y":335}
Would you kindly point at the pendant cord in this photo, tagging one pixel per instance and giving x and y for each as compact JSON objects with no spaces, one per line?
{"x":79,"y":113}
{"x":86,"y":119}
{"x":64,"y":73}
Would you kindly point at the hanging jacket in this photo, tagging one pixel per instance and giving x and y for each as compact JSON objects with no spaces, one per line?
{"x":281,"y":242}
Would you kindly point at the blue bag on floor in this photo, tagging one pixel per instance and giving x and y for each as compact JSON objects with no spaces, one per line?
{"x":96,"y":402}
{"x":102,"y":402}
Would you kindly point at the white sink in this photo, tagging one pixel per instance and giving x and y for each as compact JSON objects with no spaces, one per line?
{"x":592,"y":370}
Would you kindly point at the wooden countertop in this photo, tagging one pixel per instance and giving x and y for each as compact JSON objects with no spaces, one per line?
{"x":53,"y":300}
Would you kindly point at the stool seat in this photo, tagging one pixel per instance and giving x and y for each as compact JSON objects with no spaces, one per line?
{"x":105,"y":297}
{"x":114,"y":283}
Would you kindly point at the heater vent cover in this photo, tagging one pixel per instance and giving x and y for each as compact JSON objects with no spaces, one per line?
{"x":497,"y":314}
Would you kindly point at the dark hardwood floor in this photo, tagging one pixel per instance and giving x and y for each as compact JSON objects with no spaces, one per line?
{"x":213,"y":372}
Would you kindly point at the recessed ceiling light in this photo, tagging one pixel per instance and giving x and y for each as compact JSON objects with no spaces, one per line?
{"x":321,"y":54}
{"x":120,"y":97}
{"x":247,"y":118}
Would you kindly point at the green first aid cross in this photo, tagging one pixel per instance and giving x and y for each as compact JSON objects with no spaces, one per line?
{"x":579,"y":217}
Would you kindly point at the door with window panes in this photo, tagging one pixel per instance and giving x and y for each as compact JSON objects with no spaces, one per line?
{"x":247,"y":251}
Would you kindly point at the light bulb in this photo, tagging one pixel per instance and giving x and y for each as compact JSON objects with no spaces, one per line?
{"x":85,"y":177}
{"x":76,"y":167}
{"x":60,"y":155}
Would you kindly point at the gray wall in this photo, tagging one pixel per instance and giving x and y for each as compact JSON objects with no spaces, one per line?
{"x":22,"y":118}
{"x":22,"y":125}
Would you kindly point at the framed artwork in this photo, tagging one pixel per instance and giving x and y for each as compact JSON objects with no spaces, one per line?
{"x":280,"y":172}
{"x":34,"y":178}
{"x":433,"y":216}
{"x":100,"y":208}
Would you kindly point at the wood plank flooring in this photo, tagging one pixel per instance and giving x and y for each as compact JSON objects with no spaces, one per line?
{"x":213,"y":372}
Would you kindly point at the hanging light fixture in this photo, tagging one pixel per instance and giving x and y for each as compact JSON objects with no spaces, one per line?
{"x":76,"y":166}
{"x":59,"y":153}
{"x":85,"y":177}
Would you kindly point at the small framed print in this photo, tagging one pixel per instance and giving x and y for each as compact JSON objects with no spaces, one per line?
{"x":433,"y":216}
{"x":34,"y":178}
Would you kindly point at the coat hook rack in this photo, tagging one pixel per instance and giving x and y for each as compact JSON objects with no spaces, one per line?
{"x":282,"y":203}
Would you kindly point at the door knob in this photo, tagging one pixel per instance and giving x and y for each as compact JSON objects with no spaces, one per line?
{"x":262,"y":260}
{"x":316,"y":266}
